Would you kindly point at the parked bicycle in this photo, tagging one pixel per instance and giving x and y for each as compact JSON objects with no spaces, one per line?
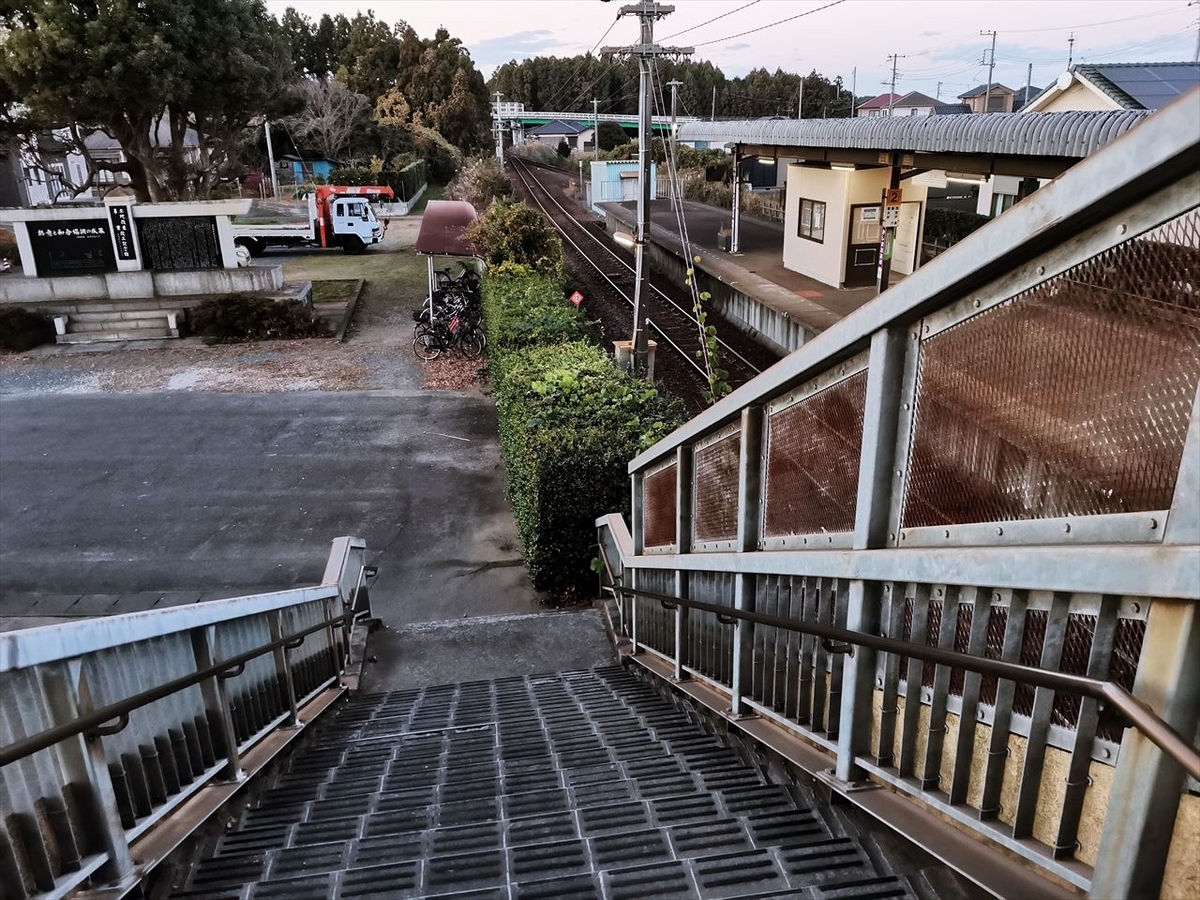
{"x":452,"y":319}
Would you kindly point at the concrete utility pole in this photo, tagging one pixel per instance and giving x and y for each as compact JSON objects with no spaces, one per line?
{"x":854,"y":92}
{"x":1071,"y":47}
{"x":987,"y":94}
{"x":712,"y":116}
{"x":499,"y":132}
{"x":1196,"y":54}
{"x":892,"y":90}
{"x":271,"y":161}
{"x":596,"y":128}
{"x":675,"y":85}
{"x":800,"y":100}
{"x":646,"y":51}
{"x":1028,"y":85}
{"x":938,"y":95}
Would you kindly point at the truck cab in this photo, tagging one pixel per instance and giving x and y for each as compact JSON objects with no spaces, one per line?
{"x":353,"y":224}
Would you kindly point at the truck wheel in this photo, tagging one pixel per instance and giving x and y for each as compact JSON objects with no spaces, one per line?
{"x":353,"y":244}
{"x":254,"y":246}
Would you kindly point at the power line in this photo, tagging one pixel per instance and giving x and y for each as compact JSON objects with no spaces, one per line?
{"x":710,"y":21}
{"x":772,"y":24}
{"x":1089,"y":24}
{"x":579,"y":68}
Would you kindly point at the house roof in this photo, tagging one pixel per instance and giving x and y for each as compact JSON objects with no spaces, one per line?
{"x":161,"y":137}
{"x":916,"y":98}
{"x":950,"y":109}
{"x":558,"y":127}
{"x":982,"y":89}
{"x":1072,"y":135}
{"x":879,"y":102}
{"x":1023,"y":96}
{"x":1141,"y":85}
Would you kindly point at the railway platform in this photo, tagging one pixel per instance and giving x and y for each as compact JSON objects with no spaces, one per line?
{"x":751,"y":287}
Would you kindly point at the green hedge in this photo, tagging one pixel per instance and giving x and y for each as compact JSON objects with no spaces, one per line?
{"x":23,"y":329}
{"x":570,"y":421}
{"x":405,"y":183}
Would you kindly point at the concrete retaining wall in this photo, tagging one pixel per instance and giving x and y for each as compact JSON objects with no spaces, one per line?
{"x":768,"y":326}
{"x":139,"y":285}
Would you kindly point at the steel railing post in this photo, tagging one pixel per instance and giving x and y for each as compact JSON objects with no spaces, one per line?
{"x":638,"y":526}
{"x":216,"y":702}
{"x":874,"y":504}
{"x":684,"y":492}
{"x":84,"y":762}
{"x":750,"y":487}
{"x":283,"y":667}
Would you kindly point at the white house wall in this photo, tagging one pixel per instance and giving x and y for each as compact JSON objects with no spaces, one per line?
{"x":839,"y":190}
{"x":1079,"y":98}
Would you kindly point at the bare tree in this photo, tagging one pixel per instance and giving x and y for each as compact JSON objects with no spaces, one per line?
{"x":332,"y":115}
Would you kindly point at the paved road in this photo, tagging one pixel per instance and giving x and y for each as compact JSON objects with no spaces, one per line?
{"x":115,"y":503}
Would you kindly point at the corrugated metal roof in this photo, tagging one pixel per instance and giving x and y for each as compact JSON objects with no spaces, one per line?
{"x":1060,"y":134}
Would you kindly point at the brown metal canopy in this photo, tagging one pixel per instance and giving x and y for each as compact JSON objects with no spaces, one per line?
{"x":443,"y":227}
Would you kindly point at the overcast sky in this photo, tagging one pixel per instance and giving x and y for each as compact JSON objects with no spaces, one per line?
{"x":939,"y":40}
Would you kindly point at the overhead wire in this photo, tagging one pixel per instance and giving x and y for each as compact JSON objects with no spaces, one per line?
{"x":579,"y":67}
{"x":772,"y":24}
{"x":713,"y":19}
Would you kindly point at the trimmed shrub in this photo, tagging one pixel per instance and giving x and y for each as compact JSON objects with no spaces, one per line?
{"x":246,"y":317}
{"x":22,"y":329}
{"x":570,"y":421}
{"x":949,"y":226}
{"x":513,"y":233}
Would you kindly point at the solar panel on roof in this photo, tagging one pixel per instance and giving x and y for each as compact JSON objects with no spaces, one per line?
{"x":1153,"y":86}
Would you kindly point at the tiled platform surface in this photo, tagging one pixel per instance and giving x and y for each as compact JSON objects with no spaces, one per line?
{"x":560,"y":787}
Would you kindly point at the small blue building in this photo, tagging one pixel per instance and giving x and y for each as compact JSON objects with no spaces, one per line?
{"x":615,"y":181}
{"x":308,"y":169}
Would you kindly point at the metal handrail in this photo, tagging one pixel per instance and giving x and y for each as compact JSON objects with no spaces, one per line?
{"x":90,"y":723}
{"x":1134,"y":711}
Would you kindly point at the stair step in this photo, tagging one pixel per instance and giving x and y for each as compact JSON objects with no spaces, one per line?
{"x":130,"y":334}
{"x":580,"y":785}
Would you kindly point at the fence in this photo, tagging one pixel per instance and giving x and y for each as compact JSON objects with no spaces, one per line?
{"x":1000,"y":458}
{"x":108,"y":726}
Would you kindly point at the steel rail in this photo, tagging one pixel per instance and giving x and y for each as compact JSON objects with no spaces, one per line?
{"x":120,"y":710}
{"x":683,"y":353}
{"x":657,"y":290}
{"x":1133,"y":710}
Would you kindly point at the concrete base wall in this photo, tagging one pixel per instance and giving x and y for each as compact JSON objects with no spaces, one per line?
{"x":139,"y":285}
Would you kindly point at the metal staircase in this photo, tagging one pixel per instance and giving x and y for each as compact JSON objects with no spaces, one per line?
{"x":577,"y":785}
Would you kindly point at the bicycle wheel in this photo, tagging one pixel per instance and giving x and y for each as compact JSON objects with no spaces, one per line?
{"x":427,"y":343}
{"x":471,"y":343}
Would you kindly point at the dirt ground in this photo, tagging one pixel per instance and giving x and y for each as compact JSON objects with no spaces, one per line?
{"x":377,"y":353}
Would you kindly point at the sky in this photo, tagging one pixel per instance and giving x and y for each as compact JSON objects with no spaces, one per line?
{"x":938,"y":41}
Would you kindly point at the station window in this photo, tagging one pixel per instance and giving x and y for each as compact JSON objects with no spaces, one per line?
{"x":812,"y":220}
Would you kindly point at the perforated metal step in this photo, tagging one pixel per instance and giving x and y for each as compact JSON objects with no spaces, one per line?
{"x":576,"y":785}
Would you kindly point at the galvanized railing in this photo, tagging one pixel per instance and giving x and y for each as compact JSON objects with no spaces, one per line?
{"x":112,"y":727}
{"x":999,"y":457}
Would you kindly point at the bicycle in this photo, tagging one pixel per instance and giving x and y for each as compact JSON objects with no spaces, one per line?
{"x":455,"y":326}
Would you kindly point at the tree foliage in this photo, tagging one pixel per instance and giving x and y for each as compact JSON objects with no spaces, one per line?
{"x":332,"y":116}
{"x":569,"y":84}
{"x":479,"y":182}
{"x":145,"y":72}
{"x":515,"y":234}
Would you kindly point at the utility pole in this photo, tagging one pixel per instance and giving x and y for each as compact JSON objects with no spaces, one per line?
{"x":1028,"y":85}
{"x":854,"y":92}
{"x":647,"y":11}
{"x":800,"y":100}
{"x":1196,"y":54}
{"x":938,"y":95}
{"x":1071,"y":49}
{"x":712,"y":117}
{"x":499,"y":132}
{"x":271,"y":161}
{"x":596,"y":126}
{"x":987,"y":94}
{"x":675,"y":85}
{"x":892,"y":91}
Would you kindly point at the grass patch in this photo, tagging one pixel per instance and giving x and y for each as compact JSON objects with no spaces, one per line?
{"x":432,"y":192}
{"x":336,"y":290}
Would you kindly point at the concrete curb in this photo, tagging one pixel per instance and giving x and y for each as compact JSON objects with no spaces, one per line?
{"x":340,"y":337}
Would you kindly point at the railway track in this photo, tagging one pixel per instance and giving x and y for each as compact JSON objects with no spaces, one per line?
{"x":609,"y":274}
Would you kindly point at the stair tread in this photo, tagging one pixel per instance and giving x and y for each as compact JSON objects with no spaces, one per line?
{"x":519,"y":788}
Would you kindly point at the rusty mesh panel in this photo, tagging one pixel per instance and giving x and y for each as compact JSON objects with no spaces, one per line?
{"x":1069,"y":399}
{"x":962,"y":643}
{"x":933,"y":625}
{"x":716,"y":512}
{"x":1032,"y":640}
{"x":993,"y":649}
{"x":658,"y":504}
{"x":1122,"y":667}
{"x":813,"y":450}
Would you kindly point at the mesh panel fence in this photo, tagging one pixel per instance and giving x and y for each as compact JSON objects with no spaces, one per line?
{"x":716,"y":486}
{"x":658,"y":499}
{"x":813,"y":450}
{"x":1072,"y":398}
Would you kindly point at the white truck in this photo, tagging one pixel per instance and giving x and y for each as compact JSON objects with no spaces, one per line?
{"x":337,"y":216}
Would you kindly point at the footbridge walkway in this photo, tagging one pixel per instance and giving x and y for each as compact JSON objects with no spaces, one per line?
{"x":920,"y":599}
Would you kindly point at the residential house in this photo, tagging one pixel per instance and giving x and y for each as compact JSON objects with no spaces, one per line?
{"x":578,"y":136}
{"x":997,"y":97}
{"x":914,"y":103}
{"x":1114,"y":86}
{"x":305,"y":168}
{"x":876,"y":106}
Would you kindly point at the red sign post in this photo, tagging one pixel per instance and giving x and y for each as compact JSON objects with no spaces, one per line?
{"x":577,"y":298}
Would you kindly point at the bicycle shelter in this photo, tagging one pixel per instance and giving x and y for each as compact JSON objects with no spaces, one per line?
{"x":443,"y":233}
